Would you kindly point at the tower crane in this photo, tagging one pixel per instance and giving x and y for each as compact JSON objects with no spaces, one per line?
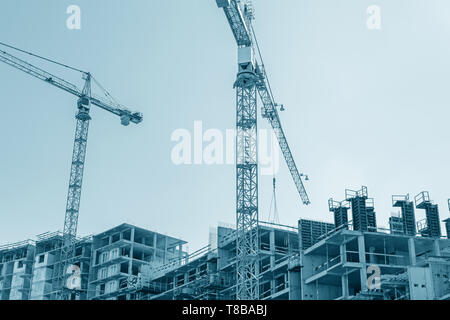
{"x":251,"y":81}
{"x":85,"y":99}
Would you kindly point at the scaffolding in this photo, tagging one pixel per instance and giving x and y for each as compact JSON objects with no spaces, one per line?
{"x":407,"y":213}
{"x":340,"y":212}
{"x":210,"y":273}
{"x":447,"y":222}
{"x":371,"y":216}
{"x":363,"y":212}
{"x":396,"y":225}
{"x":432,"y":227}
{"x":395,"y":286}
{"x":47,"y":283}
{"x":311,"y":232}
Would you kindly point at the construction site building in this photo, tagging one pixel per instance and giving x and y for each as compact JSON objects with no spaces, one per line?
{"x":16,"y":265}
{"x":341,"y":266}
{"x":344,"y":264}
{"x":314,"y":261}
{"x":210,"y":273}
{"x":47,"y":267}
{"x":122,"y":252}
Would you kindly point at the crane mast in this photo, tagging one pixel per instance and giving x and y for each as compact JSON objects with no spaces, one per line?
{"x":85,"y":99}
{"x":251,"y":81}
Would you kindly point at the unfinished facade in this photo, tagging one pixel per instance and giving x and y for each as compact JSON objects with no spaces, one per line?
{"x":47,"y":265}
{"x":121,"y":253}
{"x":210,"y":273}
{"x":341,"y":266}
{"x":314,"y":261}
{"x":16,"y":264}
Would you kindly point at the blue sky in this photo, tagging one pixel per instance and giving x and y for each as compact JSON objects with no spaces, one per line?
{"x":363,"y":108}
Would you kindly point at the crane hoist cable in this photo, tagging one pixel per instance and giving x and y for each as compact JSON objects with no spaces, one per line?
{"x":262,"y":62}
{"x":43,"y":58}
{"x":106,"y":93}
{"x":273,"y":204}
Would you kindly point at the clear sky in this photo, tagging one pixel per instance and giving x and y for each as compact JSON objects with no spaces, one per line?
{"x":363,"y":107}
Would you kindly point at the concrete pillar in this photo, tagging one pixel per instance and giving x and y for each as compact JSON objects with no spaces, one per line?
{"x":436,"y":248}
{"x":344,"y":280}
{"x":272,"y":287}
{"x":343,"y":252}
{"x":295,"y":292}
{"x":362,"y":260}
{"x":372,"y":255}
{"x":302,"y":277}
{"x":272,"y":247}
{"x":412,"y":251}
{"x":154,"y":246}
{"x":130,"y":263}
{"x":165,"y":250}
{"x":180,"y":251}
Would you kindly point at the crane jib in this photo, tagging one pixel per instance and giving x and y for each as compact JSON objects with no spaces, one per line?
{"x":62,"y":84}
{"x":239,"y":21}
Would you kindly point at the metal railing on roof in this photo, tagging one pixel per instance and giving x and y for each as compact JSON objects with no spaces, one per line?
{"x":58,"y":234}
{"x":11,"y":246}
{"x":161,"y":270}
{"x":49,"y":235}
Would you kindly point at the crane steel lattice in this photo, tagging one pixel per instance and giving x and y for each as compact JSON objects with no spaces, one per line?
{"x":251,"y":81}
{"x":85,"y":99}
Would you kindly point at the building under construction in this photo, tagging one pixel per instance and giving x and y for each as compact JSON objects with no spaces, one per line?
{"x":352,"y":258}
{"x":311,"y":261}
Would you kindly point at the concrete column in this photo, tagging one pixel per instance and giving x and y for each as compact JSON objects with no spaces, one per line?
{"x":295,"y":292}
{"x":302,"y":277}
{"x":362,"y":260}
{"x":412,"y":251}
{"x":130,"y":263}
{"x":436,"y":248}
{"x":272,"y":248}
{"x":165,"y":250}
{"x":344,"y":280}
{"x":154,"y":246}
{"x":94,"y":257}
{"x":180,"y":251}
{"x":343,"y":252}
{"x":372,"y":256}
{"x":272,"y":287}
